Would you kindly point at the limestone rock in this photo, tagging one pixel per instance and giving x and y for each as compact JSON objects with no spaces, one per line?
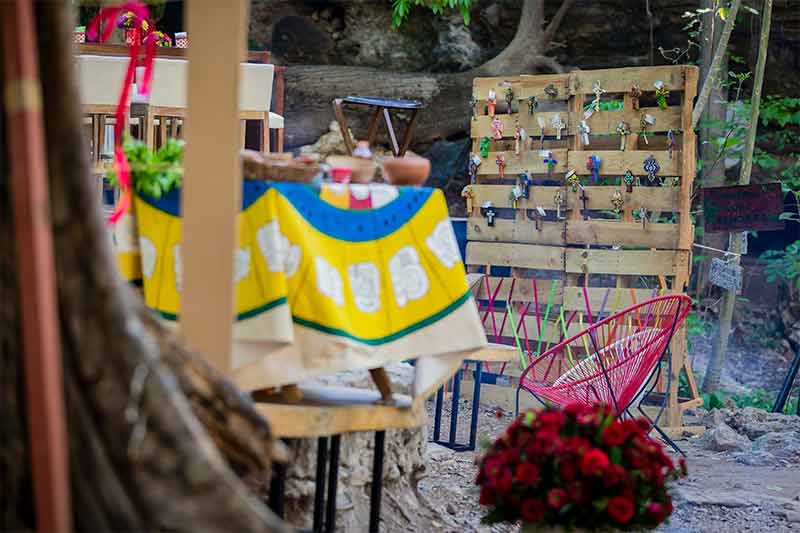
{"x":784,"y":445}
{"x":724,"y":439}
{"x":757,"y":422}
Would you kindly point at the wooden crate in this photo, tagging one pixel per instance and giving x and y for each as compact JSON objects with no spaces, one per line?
{"x":617,"y":257}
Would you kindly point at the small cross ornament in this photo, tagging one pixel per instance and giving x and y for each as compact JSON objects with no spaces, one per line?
{"x":558,"y":200}
{"x":671,"y":141}
{"x":558,"y":125}
{"x":533,"y":104}
{"x":617,"y":201}
{"x":651,"y":166}
{"x":551,"y":90}
{"x":468,"y":193}
{"x":491,"y":102}
{"x":584,"y":199}
{"x":474,"y":163}
{"x":597,"y":90}
{"x":583,"y":130}
{"x":525,"y":183}
{"x":551,"y":163}
{"x":497,"y":128}
{"x":661,"y":94}
{"x":489,"y":213}
{"x":509,"y":99}
{"x":501,"y":165}
{"x":540,"y":120}
{"x":484,"y":147}
{"x":646,"y":121}
{"x":641,"y":214}
{"x":573,"y":180}
{"x":635,"y":94}
{"x":630,"y":181}
{"x":593,"y":166}
{"x":624,"y":129}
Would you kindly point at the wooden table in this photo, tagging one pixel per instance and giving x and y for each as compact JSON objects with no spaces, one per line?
{"x":382,"y":107}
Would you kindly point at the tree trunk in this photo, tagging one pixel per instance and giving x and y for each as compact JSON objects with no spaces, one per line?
{"x":310,"y":90}
{"x":156,"y":437}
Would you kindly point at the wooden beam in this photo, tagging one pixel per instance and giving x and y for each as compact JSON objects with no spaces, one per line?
{"x":213,"y":188}
{"x":515,"y":255}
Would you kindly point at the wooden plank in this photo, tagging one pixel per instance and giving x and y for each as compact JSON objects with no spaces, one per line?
{"x":523,"y":87}
{"x":515,"y":255}
{"x":631,"y":262}
{"x":620,"y":80}
{"x":482,"y":125}
{"x":599,"y":198}
{"x":523,"y":290}
{"x":605,"y":122}
{"x":689,"y":161}
{"x":529,"y":160}
{"x":520,"y":231}
{"x":617,"y":299}
{"x":618,"y":233}
{"x":615,"y":163}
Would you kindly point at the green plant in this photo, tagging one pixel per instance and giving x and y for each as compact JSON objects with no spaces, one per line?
{"x":152,"y":173}
{"x":759,"y":399}
{"x":784,"y":264}
{"x":401,"y":8}
{"x":697,"y":325}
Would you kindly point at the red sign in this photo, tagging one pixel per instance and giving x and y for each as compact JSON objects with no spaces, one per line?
{"x":743,"y":208}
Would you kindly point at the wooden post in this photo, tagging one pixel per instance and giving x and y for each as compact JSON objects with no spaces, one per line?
{"x":213,"y":185}
{"x":720,"y":347}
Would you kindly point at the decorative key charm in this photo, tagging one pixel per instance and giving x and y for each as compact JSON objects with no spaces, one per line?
{"x":671,"y":141}
{"x":583,"y":130}
{"x":630,"y":181}
{"x":540,"y":120}
{"x":520,"y":135}
{"x":635,"y":94}
{"x":538,"y":214}
{"x":624,"y":129}
{"x":593,"y":166}
{"x":533,"y":104}
{"x":651,"y":167}
{"x":551,"y":162}
{"x":468,"y":193}
{"x":598,"y":91}
{"x":558,"y":200}
{"x":484,"y":147}
{"x":573,"y":180}
{"x":489,"y":213}
{"x":641,"y":214}
{"x":514,"y":195}
{"x":525,"y":183}
{"x":661,"y":94}
{"x":497,"y":128}
{"x":474,"y":163}
{"x":551,"y":90}
{"x":558,"y":125}
{"x":617,"y":200}
{"x":501,"y":165}
{"x":491,"y":102}
{"x":646,"y":121}
{"x":509,"y":100}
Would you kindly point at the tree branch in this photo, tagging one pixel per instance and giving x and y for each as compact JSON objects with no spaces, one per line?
{"x":552,"y":28}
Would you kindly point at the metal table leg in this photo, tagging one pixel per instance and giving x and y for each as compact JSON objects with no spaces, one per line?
{"x":377,"y":482}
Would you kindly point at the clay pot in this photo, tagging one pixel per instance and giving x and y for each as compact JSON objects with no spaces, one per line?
{"x":363,"y":169}
{"x":408,"y":170}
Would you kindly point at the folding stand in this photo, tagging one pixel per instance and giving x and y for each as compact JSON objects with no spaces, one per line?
{"x":456,"y":393}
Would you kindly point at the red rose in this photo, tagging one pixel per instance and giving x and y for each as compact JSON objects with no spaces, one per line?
{"x":614,"y":475}
{"x":620,"y":509}
{"x":615,"y":434}
{"x":567,"y":470}
{"x":503,"y":482}
{"x":575,"y":409}
{"x":528,"y":474}
{"x":552,"y":419}
{"x":577,"y":492}
{"x":511,"y":456}
{"x":547,"y":441}
{"x":487,"y":496}
{"x":576,"y":445}
{"x":532,"y":510}
{"x":557,"y":498}
{"x":594,"y":462}
{"x":656,"y":512}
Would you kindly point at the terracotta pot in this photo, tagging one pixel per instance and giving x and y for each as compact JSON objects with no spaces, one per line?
{"x":409,"y":170}
{"x":363,"y":169}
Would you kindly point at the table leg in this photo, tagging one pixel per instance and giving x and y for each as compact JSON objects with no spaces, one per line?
{"x":339,"y":112}
{"x":319,"y":483}
{"x":412,"y":123}
{"x":377,"y":483}
{"x":373,"y":126}
{"x":476,"y":405}
{"x":392,"y":137}
{"x":333,"y":479}
{"x":162,"y":130}
{"x":437,"y":414}
{"x":456,"y":392}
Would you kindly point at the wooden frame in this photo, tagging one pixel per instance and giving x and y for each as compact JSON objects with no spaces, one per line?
{"x":586,"y":246}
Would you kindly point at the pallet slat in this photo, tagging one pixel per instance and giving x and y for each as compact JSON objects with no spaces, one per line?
{"x":529,"y":160}
{"x":598,"y":197}
{"x":620,"y":80}
{"x":626,"y":262}
{"x":515,"y":255}
{"x":615,"y":162}
{"x":617,"y":233}
{"x":522,"y":231}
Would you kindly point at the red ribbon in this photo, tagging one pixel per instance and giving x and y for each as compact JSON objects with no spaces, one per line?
{"x":108,"y":18}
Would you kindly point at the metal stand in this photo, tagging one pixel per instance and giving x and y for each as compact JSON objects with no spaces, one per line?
{"x":377,"y":482}
{"x":788,"y":381}
{"x":456,"y":393}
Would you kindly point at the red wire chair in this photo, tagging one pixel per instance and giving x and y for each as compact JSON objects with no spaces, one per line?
{"x":611,"y":361}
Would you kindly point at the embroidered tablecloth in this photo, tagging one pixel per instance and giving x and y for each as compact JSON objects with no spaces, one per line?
{"x":327,"y":279}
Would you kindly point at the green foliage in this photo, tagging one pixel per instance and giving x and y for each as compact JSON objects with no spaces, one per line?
{"x":401,"y":8}
{"x":697,"y":325}
{"x":759,"y":398}
{"x":152,"y":173}
{"x":784,"y":264}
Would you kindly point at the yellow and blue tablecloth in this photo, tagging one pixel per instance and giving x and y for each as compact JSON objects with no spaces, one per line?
{"x":327,"y":278}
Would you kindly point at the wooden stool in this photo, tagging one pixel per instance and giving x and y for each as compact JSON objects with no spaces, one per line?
{"x":382,"y":107}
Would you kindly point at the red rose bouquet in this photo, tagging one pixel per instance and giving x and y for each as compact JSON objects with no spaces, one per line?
{"x":577,"y":467}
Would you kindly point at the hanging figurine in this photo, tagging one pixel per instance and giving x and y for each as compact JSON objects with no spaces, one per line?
{"x":491,"y":102}
{"x":558,"y":125}
{"x":584,"y":130}
{"x":646,"y":121}
{"x":468,"y":193}
{"x":540,"y":120}
{"x":497,"y":128}
{"x":624,"y":129}
{"x":519,"y":138}
{"x":558,"y":200}
{"x":661,"y":94}
{"x":474,"y":163}
{"x":525,"y":183}
{"x":487,"y":210}
{"x":551,"y":91}
{"x":484,"y":147}
{"x":551,"y":162}
{"x":671,"y":142}
{"x":651,"y":167}
{"x":514,"y":195}
{"x":533,"y":104}
{"x":501,"y":165}
{"x":598,"y":91}
{"x":593,"y":166}
{"x":617,"y":200}
{"x":641,"y":214}
{"x":630,"y":181}
{"x":635,"y":94}
{"x":509,"y":100}
{"x":573,"y":180}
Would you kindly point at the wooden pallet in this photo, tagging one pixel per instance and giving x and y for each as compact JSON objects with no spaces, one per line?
{"x":618,"y":258}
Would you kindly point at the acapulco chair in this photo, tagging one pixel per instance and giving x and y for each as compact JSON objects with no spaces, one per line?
{"x":611,"y":361}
